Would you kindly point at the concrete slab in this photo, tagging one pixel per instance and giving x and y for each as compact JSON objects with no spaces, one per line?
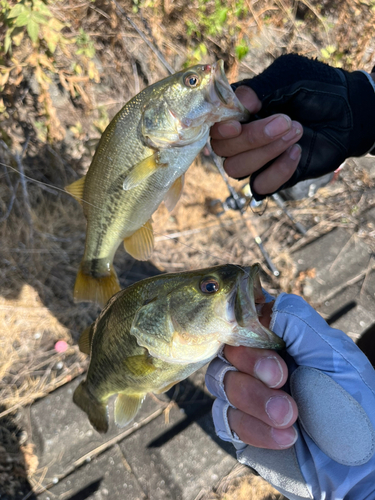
{"x":107,"y":477}
{"x":355,"y":320}
{"x":62,"y":432}
{"x":176,"y":460}
{"x":337,"y":257}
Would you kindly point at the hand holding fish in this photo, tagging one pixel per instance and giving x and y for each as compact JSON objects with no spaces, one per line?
{"x":160,"y":330}
{"x":248,"y":147}
{"x":329,"y":111}
{"x":330,"y":450}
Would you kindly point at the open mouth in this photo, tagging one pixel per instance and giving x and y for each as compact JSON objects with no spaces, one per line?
{"x":221,"y":83}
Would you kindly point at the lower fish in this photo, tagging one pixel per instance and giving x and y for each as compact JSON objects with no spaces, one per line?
{"x":160,"y":330}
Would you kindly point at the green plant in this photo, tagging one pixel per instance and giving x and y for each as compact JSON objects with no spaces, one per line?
{"x":32,"y":39}
{"x":241,"y":49}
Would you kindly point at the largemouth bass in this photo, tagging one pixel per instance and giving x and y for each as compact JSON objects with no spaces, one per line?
{"x":158,"y":331}
{"x":140,"y":161}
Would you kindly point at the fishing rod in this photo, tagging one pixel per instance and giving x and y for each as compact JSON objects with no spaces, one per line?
{"x":216,"y":160}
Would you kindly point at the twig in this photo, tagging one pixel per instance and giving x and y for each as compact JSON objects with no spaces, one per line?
{"x":368,"y":271}
{"x":136,"y":77}
{"x":350,"y":282}
{"x":58,"y":382}
{"x":21,"y":171}
{"x":340,"y":252}
{"x":145,"y":39}
{"x":103,"y":447}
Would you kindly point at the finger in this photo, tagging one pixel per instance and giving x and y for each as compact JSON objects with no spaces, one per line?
{"x":231,"y":128}
{"x":273,"y":407}
{"x":271,"y":179}
{"x":248,"y":98}
{"x":246,"y":163}
{"x":263,"y":364}
{"x":257,"y":134}
{"x":256,"y":433}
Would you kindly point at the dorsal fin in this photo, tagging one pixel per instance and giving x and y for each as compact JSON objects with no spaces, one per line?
{"x":84,"y":342}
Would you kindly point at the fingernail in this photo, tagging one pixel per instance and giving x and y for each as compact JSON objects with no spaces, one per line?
{"x":293,"y":132}
{"x":284,"y":437}
{"x":295,"y":151}
{"x":279,"y":409}
{"x":269,"y":371}
{"x":277,"y":126}
{"x":229,"y":129}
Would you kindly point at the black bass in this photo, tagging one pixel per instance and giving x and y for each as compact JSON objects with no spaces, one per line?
{"x":140,"y":161}
{"x":158,"y":331}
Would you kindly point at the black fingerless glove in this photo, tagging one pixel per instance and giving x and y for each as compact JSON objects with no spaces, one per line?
{"x":335,"y":107}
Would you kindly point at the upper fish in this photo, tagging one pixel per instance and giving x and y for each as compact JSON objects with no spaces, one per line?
{"x":140,"y":161}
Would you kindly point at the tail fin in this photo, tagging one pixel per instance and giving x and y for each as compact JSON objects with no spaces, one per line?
{"x":95,"y":410}
{"x":99,"y":290}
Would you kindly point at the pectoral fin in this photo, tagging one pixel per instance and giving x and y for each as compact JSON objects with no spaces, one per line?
{"x":76,"y":189}
{"x":174,"y":193}
{"x":140,"y":244}
{"x":142,"y":171}
{"x":139,"y":366}
{"x":126,"y":408}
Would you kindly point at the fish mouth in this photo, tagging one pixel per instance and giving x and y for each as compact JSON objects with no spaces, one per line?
{"x":221,"y":92}
{"x":244,"y":309}
{"x":221,"y":83}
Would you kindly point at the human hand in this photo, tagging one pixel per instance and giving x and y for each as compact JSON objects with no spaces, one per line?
{"x":333,"y":384}
{"x":336,"y":109}
{"x":248,"y":147}
{"x":262,"y":415}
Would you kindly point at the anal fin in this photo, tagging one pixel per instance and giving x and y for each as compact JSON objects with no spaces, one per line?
{"x":76,"y":189}
{"x":139,"y":366}
{"x":140,"y":244}
{"x":126,"y":408}
{"x":174,"y":193}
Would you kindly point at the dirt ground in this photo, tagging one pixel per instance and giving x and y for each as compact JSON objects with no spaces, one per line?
{"x":43,"y":228}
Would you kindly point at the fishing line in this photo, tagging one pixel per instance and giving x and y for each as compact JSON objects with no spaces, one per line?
{"x":52,"y":187}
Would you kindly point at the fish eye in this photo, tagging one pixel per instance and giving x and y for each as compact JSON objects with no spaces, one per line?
{"x":191,"y":80}
{"x":209,"y":285}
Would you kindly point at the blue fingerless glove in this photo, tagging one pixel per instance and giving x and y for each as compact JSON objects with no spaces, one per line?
{"x":333,"y":384}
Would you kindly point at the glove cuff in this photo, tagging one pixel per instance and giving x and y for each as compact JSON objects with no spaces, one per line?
{"x":372,"y":150}
{"x":361,"y":95}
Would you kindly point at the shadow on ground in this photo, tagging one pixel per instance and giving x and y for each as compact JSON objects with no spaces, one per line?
{"x":14,"y":455}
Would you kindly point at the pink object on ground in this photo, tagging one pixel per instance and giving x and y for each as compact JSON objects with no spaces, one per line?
{"x":61,"y":346}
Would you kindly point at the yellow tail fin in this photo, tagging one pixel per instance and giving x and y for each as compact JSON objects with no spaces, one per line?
{"x":95,"y":410}
{"x":99,"y":290}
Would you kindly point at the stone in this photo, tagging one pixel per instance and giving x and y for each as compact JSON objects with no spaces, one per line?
{"x":106,"y":477}
{"x":63,"y":434}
